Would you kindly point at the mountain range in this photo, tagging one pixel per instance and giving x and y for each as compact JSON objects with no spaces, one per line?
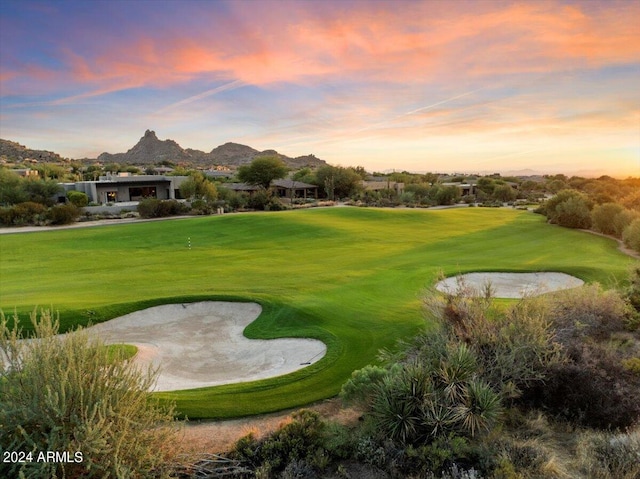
{"x":152,"y":151}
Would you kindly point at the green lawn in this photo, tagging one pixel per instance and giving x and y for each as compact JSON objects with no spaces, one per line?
{"x":351,"y":277}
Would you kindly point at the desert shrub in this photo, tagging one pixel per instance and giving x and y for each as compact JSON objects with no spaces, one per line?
{"x":68,"y":394}
{"x":505,"y":193}
{"x":513,"y":347}
{"x":339,"y":442}
{"x":573,"y":213}
{"x":603,"y":217}
{"x":148,"y":207}
{"x":588,"y":311}
{"x":234,"y":200}
{"x":631,"y":200}
{"x":592,"y":389}
{"x":154,"y":208}
{"x":362,"y":385}
{"x":78,"y":198}
{"x":202,"y":207}
{"x":26,"y":213}
{"x":297,"y":441}
{"x":622,"y":220}
{"x":632,"y":365}
{"x":568,"y":208}
{"x":604,"y":456}
{"x":259,"y":200}
{"x":274,"y":204}
{"x":633,"y":291}
{"x":631,"y":235}
{"x":63,"y":214}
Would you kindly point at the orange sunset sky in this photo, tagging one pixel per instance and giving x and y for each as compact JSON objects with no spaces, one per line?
{"x":446,"y":86}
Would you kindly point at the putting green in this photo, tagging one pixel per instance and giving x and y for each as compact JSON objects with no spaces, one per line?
{"x":350,"y":277}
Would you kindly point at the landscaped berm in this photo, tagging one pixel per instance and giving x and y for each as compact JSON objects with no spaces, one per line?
{"x":346,"y":279}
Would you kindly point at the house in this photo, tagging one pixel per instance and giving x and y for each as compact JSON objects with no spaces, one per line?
{"x":381,"y":184}
{"x":25,"y":172}
{"x":466,"y":189}
{"x":124,"y":187}
{"x":294,"y":189}
{"x":282,"y":188}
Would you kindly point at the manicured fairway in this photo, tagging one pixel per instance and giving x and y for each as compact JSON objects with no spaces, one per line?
{"x":350,"y":277}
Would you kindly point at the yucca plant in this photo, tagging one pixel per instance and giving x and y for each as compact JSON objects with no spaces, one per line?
{"x":397,"y":404}
{"x":455,"y":371}
{"x":480,"y":409}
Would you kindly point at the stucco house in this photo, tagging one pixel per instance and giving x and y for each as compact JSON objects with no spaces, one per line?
{"x":124,"y":187}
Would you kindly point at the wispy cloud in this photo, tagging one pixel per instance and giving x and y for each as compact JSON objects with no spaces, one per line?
{"x":201,"y":96}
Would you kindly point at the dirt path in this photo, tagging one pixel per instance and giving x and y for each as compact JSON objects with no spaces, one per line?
{"x":621,"y":246}
{"x":219,"y":436}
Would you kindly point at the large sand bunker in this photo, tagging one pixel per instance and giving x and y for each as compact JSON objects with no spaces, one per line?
{"x":201,"y":344}
{"x":510,"y":285}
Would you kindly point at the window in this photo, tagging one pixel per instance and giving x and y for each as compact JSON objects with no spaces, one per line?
{"x":136,"y":193}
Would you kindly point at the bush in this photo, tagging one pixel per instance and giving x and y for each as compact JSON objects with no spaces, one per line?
{"x":68,"y":394}
{"x":568,"y":208}
{"x":299,"y":442}
{"x":604,"y":456}
{"x":259,"y":200}
{"x":573,"y":213}
{"x":603,"y":217}
{"x":592,"y":390}
{"x":362,"y":386}
{"x":78,"y":198}
{"x":622,"y":220}
{"x":63,"y":214}
{"x":631,"y":235}
{"x":27,"y":213}
{"x":154,"y":208}
{"x":588,"y":311}
{"x":514,"y":347}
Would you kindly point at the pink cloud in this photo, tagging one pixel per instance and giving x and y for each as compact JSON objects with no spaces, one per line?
{"x":420,"y":42}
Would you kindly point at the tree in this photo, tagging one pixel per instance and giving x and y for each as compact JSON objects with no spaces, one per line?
{"x":338,"y":181}
{"x":42,"y":191}
{"x":11,"y":190}
{"x":68,"y":394}
{"x":447,"y":195}
{"x":569,"y":208}
{"x":573,"y":213}
{"x":631,"y":235}
{"x":603,"y":217}
{"x":262,"y":171}
{"x":198,"y":187}
{"x":504,"y":193}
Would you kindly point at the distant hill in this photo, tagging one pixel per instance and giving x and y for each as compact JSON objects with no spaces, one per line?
{"x":150,"y":150}
{"x":17,"y":153}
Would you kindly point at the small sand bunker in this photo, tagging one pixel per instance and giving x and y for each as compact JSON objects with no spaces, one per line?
{"x":201,"y":344}
{"x":510,"y":285}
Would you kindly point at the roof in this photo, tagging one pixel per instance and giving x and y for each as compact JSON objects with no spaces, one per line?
{"x":291,"y":184}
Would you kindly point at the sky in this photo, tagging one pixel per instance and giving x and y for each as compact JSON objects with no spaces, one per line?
{"x":440,"y":86}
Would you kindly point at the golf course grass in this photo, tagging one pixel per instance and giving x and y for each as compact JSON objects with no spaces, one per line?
{"x":350,"y":277}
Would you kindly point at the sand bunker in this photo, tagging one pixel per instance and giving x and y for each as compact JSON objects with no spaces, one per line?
{"x":201,"y":344}
{"x":510,"y":285}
